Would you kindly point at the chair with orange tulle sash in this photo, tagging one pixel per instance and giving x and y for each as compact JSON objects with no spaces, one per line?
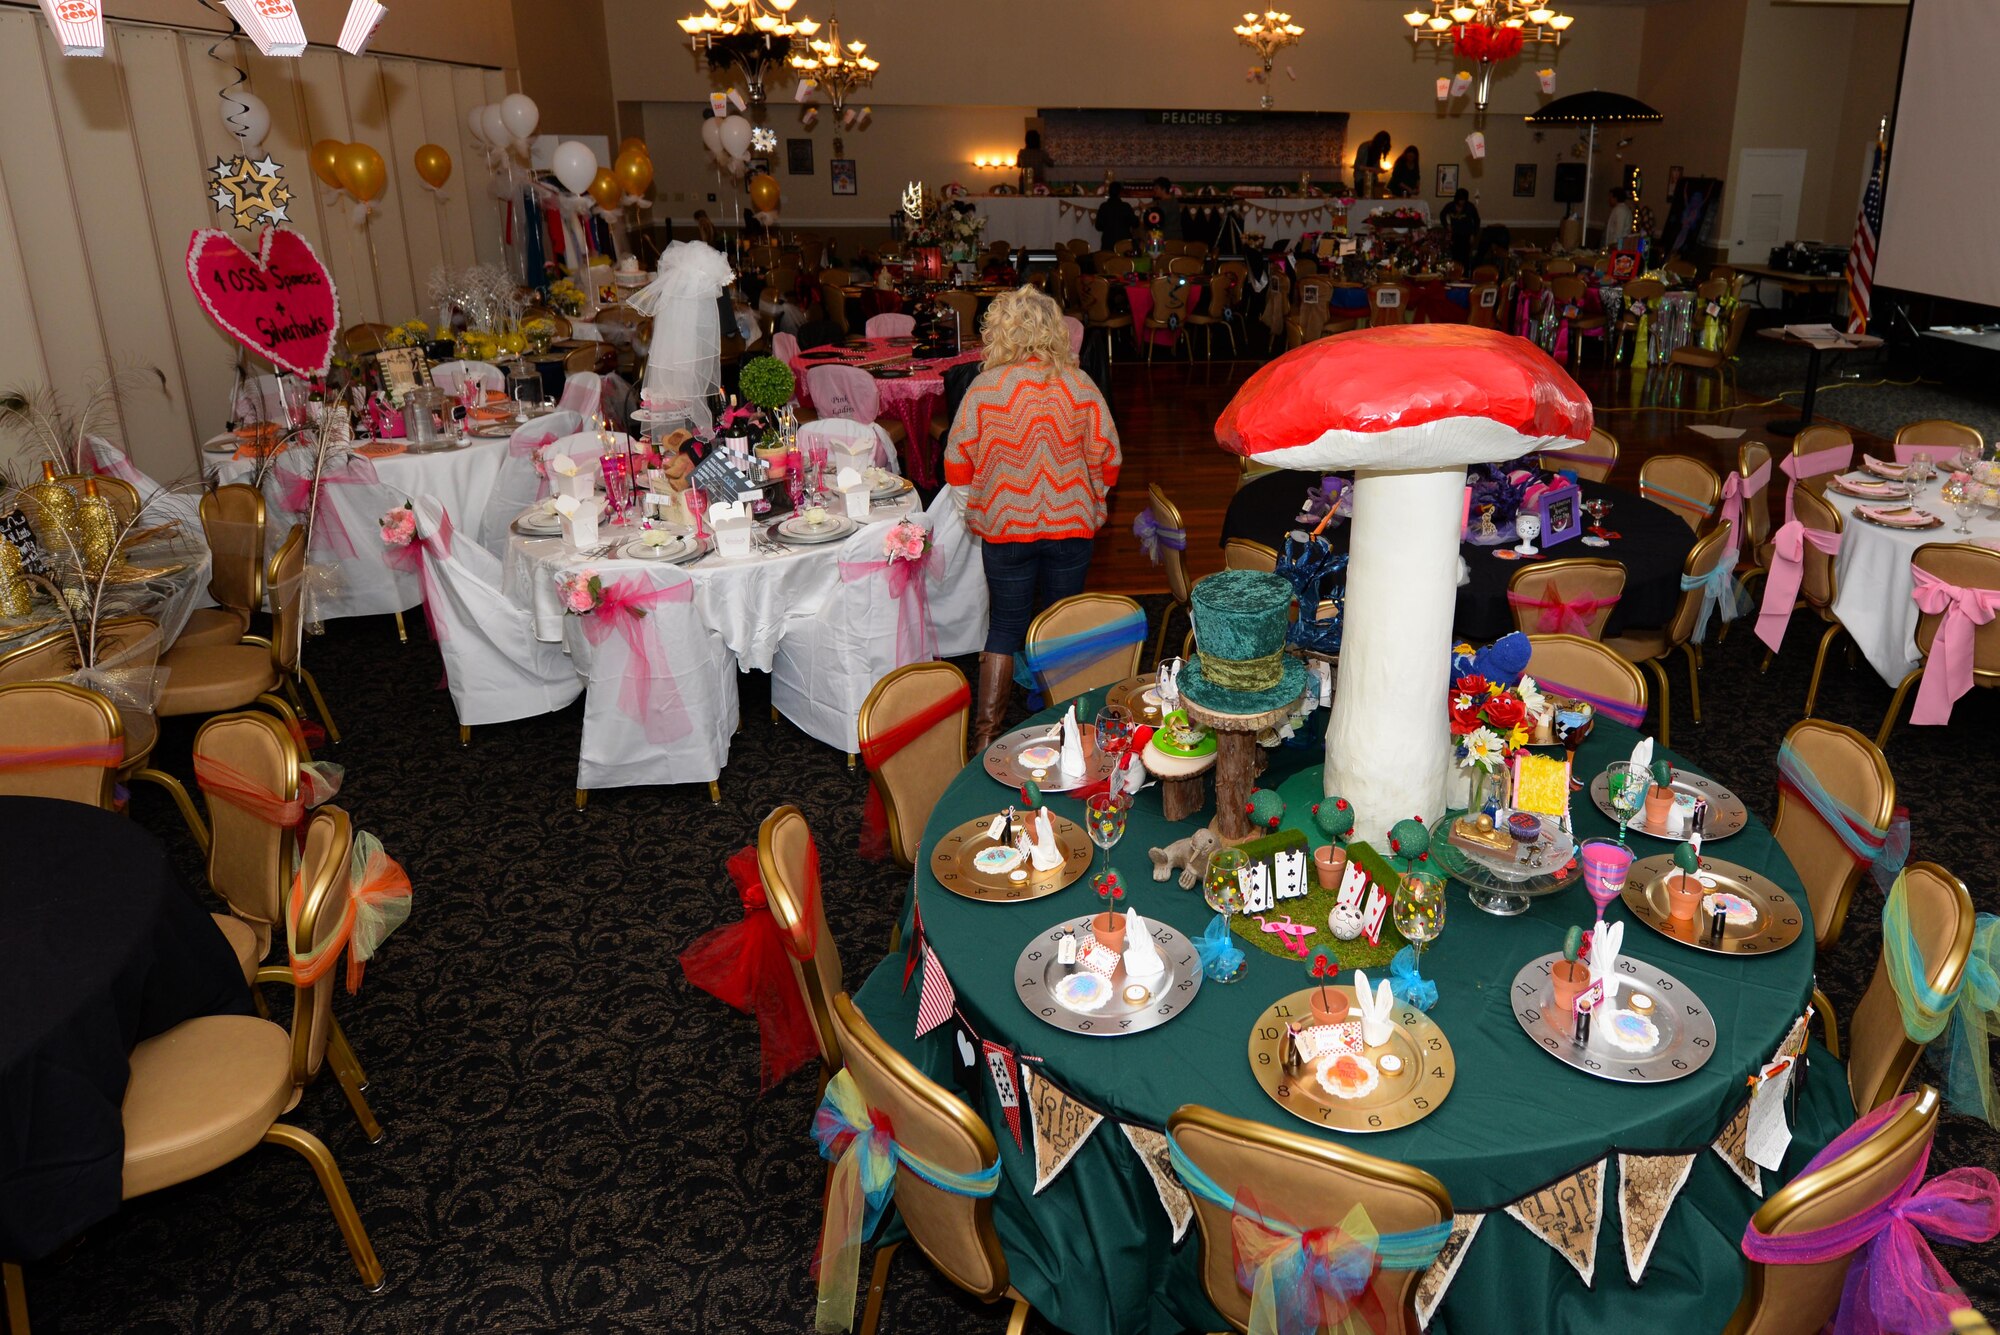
{"x":61,"y":741}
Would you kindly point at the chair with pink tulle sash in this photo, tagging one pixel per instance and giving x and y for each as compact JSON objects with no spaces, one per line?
{"x":1937,"y":438}
{"x":660,"y":706}
{"x":1818,"y":452}
{"x":1075,"y":328}
{"x":521,"y":479}
{"x":1571,"y":597}
{"x":348,"y":576}
{"x":1803,"y":573}
{"x":890,"y":326}
{"x":875,"y":619}
{"x":494,"y":665}
{"x":1956,"y":586}
{"x":583,"y":394}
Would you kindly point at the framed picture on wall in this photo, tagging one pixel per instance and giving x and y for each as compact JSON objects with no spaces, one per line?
{"x":1524,"y":180}
{"x":759,"y":167}
{"x":799,"y":157}
{"x":1447,"y":180}
{"x":845,"y":181}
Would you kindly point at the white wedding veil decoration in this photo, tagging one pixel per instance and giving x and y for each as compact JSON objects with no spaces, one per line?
{"x":685,"y":364}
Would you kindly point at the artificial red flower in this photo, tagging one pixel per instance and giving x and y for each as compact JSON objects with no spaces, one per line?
{"x":1471,"y":684}
{"x":1506,"y":712}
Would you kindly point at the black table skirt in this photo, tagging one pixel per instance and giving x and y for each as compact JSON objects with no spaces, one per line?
{"x":100,"y":946}
{"x":1653,"y":543}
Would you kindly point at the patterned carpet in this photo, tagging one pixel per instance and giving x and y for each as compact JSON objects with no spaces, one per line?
{"x":574,"y":1137}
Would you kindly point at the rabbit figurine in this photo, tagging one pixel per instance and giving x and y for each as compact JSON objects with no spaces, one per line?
{"x":1604,"y":959}
{"x":1376,"y":1025}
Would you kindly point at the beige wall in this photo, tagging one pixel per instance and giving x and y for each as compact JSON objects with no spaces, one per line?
{"x":103,"y":179}
{"x":466,"y":32}
{"x":565,"y":66}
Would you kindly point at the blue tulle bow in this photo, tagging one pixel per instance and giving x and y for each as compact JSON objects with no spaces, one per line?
{"x":1718,"y":589}
{"x":1220,"y":955}
{"x":1065,"y":655}
{"x":1407,"y":985}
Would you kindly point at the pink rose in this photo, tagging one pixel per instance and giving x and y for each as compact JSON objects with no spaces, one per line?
{"x":399,"y":527}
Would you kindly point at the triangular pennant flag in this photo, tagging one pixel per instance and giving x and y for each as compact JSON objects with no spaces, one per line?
{"x":913,"y":948}
{"x":1430,"y":1288}
{"x":1565,"y":1214}
{"x":1151,"y":1146}
{"x":935,"y":1001}
{"x":1730,"y":1146}
{"x":1060,"y":1124}
{"x":1648,"y":1185}
{"x":1006,"y":1072}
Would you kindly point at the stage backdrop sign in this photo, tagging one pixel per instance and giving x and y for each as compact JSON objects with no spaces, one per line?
{"x":1291,"y":141}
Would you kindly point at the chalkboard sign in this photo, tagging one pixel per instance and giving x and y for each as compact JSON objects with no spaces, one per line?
{"x":16,"y":529}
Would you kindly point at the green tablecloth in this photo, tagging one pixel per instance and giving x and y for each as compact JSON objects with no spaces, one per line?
{"x":1094,"y":1251}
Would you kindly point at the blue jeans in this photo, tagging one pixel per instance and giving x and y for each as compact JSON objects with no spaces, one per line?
{"x":1024,"y":577}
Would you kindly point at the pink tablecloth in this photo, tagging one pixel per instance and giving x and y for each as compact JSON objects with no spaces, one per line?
{"x":1139,"y":298}
{"x":911,"y":398}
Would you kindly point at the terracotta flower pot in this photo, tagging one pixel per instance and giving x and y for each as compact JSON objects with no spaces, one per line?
{"x":1658,"y":800}
{"x":1570,"y":977}
{"x":1109,"y":930}
{"x":1329,"y":1005}
{"x":1329,"y":864}
{"x":1684,"y":894}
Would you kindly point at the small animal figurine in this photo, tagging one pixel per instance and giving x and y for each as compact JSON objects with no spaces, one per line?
{"x":1189,"y":855}
{"x":1376,"y":1005}
{"x":1293,"y":934}
{"x":1344,"y":923}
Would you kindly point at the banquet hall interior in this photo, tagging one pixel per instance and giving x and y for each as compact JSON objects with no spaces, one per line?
{"x":764,"y":666}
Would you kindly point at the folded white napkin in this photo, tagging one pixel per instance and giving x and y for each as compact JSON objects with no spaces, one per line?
{"x":1046,"y":853}
{"x":1071,"y":763}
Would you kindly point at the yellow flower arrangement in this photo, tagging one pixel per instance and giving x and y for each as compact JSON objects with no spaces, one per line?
{"x":566,"y":296}
{"x":410,"y":334}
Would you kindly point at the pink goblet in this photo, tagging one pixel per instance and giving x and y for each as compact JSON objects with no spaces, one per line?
{"x":1605,"y":863}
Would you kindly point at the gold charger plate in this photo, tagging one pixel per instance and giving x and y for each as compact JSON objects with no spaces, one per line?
{"x":1004,"y":764}
{"x":1778,"y":924}
{"x":951,"y":863}
{"x":1935,"y":521}
{"x":1400,"y":1099}
{"x":1131,"y":696}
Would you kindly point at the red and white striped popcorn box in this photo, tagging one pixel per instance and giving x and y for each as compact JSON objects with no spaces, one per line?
{"x":78,"y":25}
{"x":273,"y":25}
{"x":363,"y":18}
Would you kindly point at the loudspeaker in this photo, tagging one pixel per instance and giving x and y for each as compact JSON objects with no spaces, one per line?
{"x":1569,"y":182}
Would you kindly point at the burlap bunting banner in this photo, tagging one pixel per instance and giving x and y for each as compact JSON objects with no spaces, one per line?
{"x":1648,"y":1185}
{"x":1430,"y":1289}
{"x":1151,"y":1147}
{"x":1565,"y":1214}
{"x":1730,"y":1146}
{"x":1060,"y":1125}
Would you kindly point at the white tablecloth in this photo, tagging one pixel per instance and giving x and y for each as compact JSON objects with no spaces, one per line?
{"x":745,"y":601}
{"x":457,"y":479}
{"x":1047,"y":220}
{"x":1873,"y":582}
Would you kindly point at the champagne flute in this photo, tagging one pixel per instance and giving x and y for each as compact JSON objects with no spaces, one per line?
{"x":1418,"y":910}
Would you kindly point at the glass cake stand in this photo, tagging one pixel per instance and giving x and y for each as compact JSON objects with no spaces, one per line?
{"x":1491,"y":891}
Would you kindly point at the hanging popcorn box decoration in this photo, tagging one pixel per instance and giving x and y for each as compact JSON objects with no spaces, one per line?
{"x":78,"y":25}
{"x":1475,"y":143}
{"x":1547,"y":79}
{"x":363,"y":18}
{"x":1460,"y":82}
{"x":272,"y":24}
{"x":1444,"y":87}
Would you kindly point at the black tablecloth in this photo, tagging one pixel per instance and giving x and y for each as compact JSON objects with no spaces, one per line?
{"x":100,"y":946}
{"x":1653,"y":543}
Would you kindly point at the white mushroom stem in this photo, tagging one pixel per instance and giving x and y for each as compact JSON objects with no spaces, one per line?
{"x":1388,"y":742}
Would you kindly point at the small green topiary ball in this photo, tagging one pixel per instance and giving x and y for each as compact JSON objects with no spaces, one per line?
{"x":1409,"y":842}
{"x":1335,"y":818}
{"x":766,"y":382}
{"x":1265,"y":809}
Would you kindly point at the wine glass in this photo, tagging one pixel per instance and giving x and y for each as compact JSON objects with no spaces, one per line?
{"x":1965,"y":506}
{"x":1104,"y":817}
{"x":1605,"y":865}
{"x":1418,"y":910}
{"x":697,"y":507}
{"x":1220,"y":887}
{"x":1626,"y":785}
{"x":1114,"y":729}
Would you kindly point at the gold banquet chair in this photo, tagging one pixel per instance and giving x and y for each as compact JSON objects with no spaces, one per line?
{"x":232,"y":519}
{"x":250,"y":859}
{"x":1880,"y":1054}
{"x":1948,"y":436}
{"x":1173,"y":561}
{"x":1248,"y":554}
{"x":1572,"y":579}
{"x":1854,"y":771}
{"x":1818,"y":583}
{"x":911,"y":780}
{"x":1683,"y":484}
{"x":1310,"y":1183}
{"x":1969,"y":567}
{"x":1073,"y":616}
{"x":1754,"y":556}
{"x":955,"y":1233}
{"x":1651,"y":647}
{"x":1801,"y":1299}
{"x":121,"y":495}
{"x":1559,"y":661}
{"x":1591,"y":462}
{"x":50,"y":715}
{"x":783,"y":841}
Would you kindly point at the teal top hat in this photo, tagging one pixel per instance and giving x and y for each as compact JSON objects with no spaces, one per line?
{"x":1240,"y":666}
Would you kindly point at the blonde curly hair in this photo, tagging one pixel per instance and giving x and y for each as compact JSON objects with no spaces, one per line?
{"x":1025,"y":325}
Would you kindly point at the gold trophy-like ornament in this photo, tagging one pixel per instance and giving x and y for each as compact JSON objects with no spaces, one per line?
{"x":53,"y":508}
{"x":16,"y":596}
{"x":97,"y":531}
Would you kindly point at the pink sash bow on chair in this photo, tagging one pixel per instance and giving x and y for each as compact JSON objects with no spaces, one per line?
{"x":1781,"y":585}
{"x":408,"y":559}
{"x":1736,"y":489}
{"x":916,"y":641}
{"x":1948,"y":670}
{"x":622,"y":608}
{"x":298,"y":494}
{"x":1812,"y":465}
{"x":1563,"y":616}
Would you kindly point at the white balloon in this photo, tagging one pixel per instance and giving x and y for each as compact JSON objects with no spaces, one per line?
{"x":711,"y":135}
{"x":475,"y":120}
{"x":575,"y":166}
{"x":735,"y":134}
{"x":520,"y":115}
{"x":245,"y":116}
{"x":493,"y":125}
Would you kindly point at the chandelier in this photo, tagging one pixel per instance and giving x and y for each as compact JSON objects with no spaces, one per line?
{"x":838,"y":68}
{"x":751,"y":35}
{"x":1487,"y":32}
{"x":1267,"y":34}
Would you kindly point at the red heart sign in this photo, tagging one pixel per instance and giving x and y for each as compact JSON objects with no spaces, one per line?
{"x":280,"y":304}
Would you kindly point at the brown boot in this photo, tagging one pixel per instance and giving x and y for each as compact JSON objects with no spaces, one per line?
{"x":996,"y":692}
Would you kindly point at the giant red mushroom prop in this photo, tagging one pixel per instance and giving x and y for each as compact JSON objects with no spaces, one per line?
{"x":1407,"y":407}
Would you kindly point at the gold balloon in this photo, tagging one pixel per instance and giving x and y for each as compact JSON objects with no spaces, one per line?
{"x":326,"y":161}
{"x":633,"y":146}
{"x":434,"y":165}
{"x":362,"y":172}
{"x":604,"y":189}
{"x":764,"y":192}
{"x":634,"y":171}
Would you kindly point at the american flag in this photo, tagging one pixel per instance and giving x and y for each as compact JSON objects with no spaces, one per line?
{"x":1861,"y":255}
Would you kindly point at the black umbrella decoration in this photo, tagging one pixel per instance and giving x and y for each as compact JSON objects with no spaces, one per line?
{"x":1593,"y":108}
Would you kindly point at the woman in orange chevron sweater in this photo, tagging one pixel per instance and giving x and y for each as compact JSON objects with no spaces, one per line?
{"x":1031,"y":455}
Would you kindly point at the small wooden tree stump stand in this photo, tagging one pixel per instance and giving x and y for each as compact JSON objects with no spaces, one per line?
{"x":1238,"y":762}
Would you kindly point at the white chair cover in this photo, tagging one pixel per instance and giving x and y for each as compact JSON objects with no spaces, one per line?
{"x":829,"y":660}
{"x":158,"y":503}
{"x":583,"y":394}
{"x":684,"y":366}
{"x":690,"y":711}
{"x":450,"y":376}
{"x":959,"y":601}
{"x":348,"y":573}
{"x":517,"y":485}
{"x":890,"y":326}
{"x":497,"y":670}
{"x":260,"y":398}
{"x":851,"y":444}
{"x":785,"y":347}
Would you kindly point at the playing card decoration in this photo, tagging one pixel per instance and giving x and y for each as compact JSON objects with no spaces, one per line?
{"x":1005,"y":1069}
{"x":78,"y":25}
{"x":251,"y":193}
{"x":280,"y":303}
{"x":1648,"y":1185}
{"x":1566,"y":1214}
{"x":1060,"y":1122}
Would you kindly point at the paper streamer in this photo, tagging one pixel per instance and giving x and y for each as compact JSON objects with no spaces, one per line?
{"x":1566,"y":1214}
{"x":1060,"y":1125}
{"x":78,"y":25}
{"x":1730,"y":1146}
{"x":1431,"y":1288}
{"x":363,"y":18}
{"x":1151,"y":1147}
{"x":1648,"y":1185}
{"x":272,"y":24}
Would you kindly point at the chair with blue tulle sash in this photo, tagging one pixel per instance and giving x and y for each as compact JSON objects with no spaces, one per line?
{"x":1924,"y":959}
{"x":1083,"y":642}
{"x":1705,"y":566}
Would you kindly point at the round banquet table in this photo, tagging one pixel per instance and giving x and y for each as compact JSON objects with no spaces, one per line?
{"x":1095,"y":1253}
{"x":458,"y":478}
{"x":1873,"y":581}
{"x":911,"y":397}
{"x":1652,"y":542}
{"x":99,"y":947}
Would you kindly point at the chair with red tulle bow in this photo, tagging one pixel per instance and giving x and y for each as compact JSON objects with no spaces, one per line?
{"x":1879,"y":1051}
{"x":61,"y":741}
{"x":1571,"y":597}
{"x":660,"y":704}
{"x":912,"y":729}
{"x":1310,"y":1183}
{"x":1957,"y":590}
{"x":789,"y":866}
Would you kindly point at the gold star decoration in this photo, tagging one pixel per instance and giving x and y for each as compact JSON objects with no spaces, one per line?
{"x":251,"y":192}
